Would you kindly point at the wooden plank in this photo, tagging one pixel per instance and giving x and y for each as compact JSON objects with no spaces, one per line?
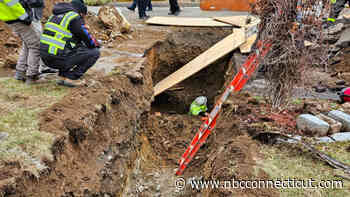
{"x":220,"y":49}
{"x":247,"y":46}
{"x":239,"y":21}
{"x":186,"y":21}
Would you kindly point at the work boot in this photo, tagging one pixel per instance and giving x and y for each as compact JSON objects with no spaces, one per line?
{"x":177,"y":13}
{"x":70,"y":83}
{"x":20,"y":75}
{"x":132,"y":9}
{"x":48,"y":70}
{"x":32,"y":79}
{"x":144,"y":17}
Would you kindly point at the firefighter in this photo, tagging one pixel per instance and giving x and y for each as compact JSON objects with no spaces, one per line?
{"x":18,"y":16}
{"x":66,"y":45}
{"x":198,"y":106}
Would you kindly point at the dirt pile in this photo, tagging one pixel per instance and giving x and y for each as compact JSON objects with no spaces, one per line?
{"x":9,"y":46}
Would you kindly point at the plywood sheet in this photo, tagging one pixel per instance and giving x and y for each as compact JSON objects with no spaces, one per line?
{"x":186,"y":21}
{"x":240,"y":20}
{"x":247,"y":46}
{"x":220,"y":49}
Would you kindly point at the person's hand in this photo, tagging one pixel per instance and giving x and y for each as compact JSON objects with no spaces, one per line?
{"x":99,"y":43}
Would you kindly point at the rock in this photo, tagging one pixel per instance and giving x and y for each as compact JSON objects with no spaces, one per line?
{"x":320,"y":89}
{"x":346,"y":105}
{"x":341,"y":117}
{"x":334,"y":125}
{"x":345,"y":136}
{"x":340,"y":82}
{"x":345,"y":76}
{"x":312,"y":125}
{"x":135,"y":77}
{"x":3,"y":136}
{"x":113,"y":19}
{"x":344,"y":39}
{"x":334,"y":29}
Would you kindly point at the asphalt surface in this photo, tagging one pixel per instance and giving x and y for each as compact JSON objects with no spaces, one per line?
{"x":163,"y":11}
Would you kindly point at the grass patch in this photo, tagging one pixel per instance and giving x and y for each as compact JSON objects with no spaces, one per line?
{"x":49,"y":89}
{"x":290,"y":162}
{"x":25,"y":143}
{"x":22,"y":127}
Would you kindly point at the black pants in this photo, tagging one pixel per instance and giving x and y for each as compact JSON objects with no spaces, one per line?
{"x":134,"y":4}
{"x":174,"y":6}
{"x":142,"y":4}
{"x":337,"y":8}
{"x":74,"y":65}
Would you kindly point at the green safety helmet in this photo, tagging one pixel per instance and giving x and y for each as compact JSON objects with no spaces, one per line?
{"x":201,"y":100}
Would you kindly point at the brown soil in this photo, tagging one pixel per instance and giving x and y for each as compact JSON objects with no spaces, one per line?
{"x":9,"y":46}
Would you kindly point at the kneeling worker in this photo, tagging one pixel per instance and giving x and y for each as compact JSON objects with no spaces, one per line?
{"x":65,"y":43}
{"x":198,"y":106}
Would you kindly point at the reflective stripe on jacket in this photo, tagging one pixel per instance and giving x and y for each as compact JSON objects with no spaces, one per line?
{"x":195,"y":109}
{"x":60,"y":33}
{"x":11,"y":10}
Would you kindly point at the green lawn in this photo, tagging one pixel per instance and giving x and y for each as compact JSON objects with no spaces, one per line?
{"x":20,"y":106}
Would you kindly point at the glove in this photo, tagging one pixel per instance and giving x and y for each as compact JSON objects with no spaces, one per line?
{"x":99,"y":43}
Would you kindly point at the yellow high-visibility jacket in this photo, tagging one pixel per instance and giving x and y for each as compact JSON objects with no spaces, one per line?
{"x":11,"y":10}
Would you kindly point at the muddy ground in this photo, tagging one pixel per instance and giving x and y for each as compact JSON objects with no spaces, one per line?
{"x":112,"y":138}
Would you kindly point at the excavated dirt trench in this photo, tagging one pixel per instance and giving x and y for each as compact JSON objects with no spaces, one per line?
{"x":113,"y":139}
{"x":176,"y":51}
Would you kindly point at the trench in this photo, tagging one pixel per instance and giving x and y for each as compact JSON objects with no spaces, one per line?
{"x":173,"y":53}
{"x":167,"y":129}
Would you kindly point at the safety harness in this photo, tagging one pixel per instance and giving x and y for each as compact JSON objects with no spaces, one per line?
{"x":61,"y":33}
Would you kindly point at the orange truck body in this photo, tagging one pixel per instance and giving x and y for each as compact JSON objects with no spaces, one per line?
{"x":234,"y":5}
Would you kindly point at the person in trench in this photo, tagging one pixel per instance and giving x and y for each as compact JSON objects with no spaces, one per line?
{"x":199,"y":107}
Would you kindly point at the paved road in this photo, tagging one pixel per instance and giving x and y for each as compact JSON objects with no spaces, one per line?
{"x":163,"y":11}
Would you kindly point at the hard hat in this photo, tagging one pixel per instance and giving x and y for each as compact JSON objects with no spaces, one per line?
{"x":201,"y":100}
